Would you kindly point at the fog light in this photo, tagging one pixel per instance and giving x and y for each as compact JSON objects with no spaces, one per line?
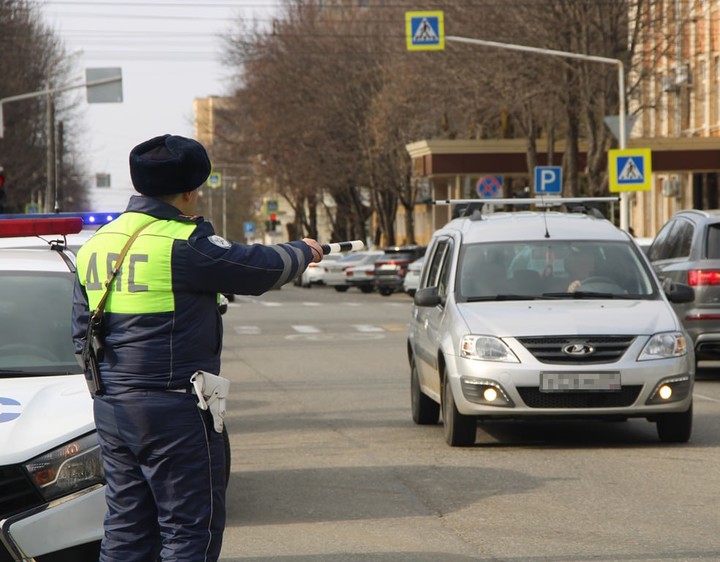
{"x":665,"y":392}
{"x":672,"y":389}
{"x":486,"y":392}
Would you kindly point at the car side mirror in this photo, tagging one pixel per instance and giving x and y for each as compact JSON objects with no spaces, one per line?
{"x":679,"y":293}
{"x":427,"y":297}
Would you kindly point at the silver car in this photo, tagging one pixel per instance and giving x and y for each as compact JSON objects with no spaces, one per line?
{"x":335,"y":270}
{"x":540,"y":315}
{"x":687,"y":250}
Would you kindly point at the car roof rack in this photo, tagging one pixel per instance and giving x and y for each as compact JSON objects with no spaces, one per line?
{"x":472,"y":208}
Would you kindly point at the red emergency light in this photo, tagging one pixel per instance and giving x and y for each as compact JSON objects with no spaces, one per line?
{"x":13,"y":228}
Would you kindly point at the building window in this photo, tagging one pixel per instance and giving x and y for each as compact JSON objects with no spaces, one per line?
{"x":102,"y":180}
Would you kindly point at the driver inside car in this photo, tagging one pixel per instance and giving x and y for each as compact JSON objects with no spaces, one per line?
{"x":579,"y":266}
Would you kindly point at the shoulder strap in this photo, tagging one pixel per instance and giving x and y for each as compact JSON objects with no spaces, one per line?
{"x":101,"y":305}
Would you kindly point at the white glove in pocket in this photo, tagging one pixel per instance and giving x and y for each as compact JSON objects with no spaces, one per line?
{"x":211,"y":390}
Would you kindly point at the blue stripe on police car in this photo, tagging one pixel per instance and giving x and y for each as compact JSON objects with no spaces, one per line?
{"x":9,"y":409}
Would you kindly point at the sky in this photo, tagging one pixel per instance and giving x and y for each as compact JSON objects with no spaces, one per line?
{"x":169,"y":52}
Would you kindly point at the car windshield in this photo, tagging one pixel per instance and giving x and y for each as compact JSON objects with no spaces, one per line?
{"x":35,"y":333}
{"x":553,"y":269}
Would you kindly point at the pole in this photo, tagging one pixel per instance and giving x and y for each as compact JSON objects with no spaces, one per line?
{"x":624,"y":196}
{"x":50,"y":164}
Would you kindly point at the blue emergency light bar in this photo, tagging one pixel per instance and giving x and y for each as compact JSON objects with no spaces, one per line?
{"x":88,"y":219}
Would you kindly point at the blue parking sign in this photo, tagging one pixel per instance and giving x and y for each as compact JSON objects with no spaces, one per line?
{"x":548,"y":180}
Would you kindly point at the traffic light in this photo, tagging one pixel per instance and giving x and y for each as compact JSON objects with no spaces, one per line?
{"x":272,"y":223}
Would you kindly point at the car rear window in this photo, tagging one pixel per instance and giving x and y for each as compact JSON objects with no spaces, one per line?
{"x":399,"y":256}
{"x":713,"y":242}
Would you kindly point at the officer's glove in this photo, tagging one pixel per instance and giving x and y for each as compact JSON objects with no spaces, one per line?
{"x":211,"y":391}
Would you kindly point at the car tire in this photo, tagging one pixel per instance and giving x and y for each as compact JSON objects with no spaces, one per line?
{"x":675,"y":428}
{"x":460,"y":430}
{"x":366,"y":289}
{"x":385,"y":292}
{"x":425,"y":411}
{"x":341,"y":288}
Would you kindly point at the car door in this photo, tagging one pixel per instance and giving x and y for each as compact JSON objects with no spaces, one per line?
{"x":428,"y":321}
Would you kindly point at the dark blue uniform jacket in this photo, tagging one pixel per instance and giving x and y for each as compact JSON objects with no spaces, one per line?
{"x":162,"y":350}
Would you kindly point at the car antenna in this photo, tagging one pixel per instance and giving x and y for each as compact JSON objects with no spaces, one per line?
{"x":545,"y":207}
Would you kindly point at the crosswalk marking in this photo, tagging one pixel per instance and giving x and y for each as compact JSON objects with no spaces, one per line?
{"x":253,"y":330}
{"x":245,"y":299}
{"x":306,"y":329}
{"x":247,"y":330}
{"x":367,"y":328}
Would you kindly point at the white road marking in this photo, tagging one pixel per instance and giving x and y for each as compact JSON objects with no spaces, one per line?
{"x":247,"y":330}
{"x":367,"y":328}
{"x":703,"y":397}
{"x":306,"y":329}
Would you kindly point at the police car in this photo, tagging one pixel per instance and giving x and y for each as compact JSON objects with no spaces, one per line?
{"x":545,"y":315}
{"x":52,"y":498}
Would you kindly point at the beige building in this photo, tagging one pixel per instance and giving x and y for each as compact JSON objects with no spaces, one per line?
{"x":681,"y":105}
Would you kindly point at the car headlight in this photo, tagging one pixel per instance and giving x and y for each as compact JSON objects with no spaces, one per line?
{"x":68,"y":468}
{"x":486,"y":348}
{"x":664,"y":346}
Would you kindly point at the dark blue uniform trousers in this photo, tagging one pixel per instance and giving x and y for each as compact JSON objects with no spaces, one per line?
{"x":164,"y":466}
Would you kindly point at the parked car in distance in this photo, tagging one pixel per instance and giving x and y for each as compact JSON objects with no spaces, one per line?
{"x":540,"y":315}
{"x":335,"y":270}
{"x":315,"y":272}
{"x":391,"y":268}
{"x":362,"y":276}
{"x":412,"y":278}
{"x":687,"y":250}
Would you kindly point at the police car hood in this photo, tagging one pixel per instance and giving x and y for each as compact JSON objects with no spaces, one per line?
{"x":40,"y":413}
{"x":568,"y":317}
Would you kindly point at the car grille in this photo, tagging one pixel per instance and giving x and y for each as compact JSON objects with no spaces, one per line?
{"x":17,"y":492}
{"x":606,"y":349}
{"x":624,"y":397}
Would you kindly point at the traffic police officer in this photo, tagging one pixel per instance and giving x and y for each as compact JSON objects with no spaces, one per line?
{"x":163,"y":460}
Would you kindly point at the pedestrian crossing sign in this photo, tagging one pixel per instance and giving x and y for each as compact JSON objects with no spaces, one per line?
{"x":425,"y":31}
{"x":630,"y":169}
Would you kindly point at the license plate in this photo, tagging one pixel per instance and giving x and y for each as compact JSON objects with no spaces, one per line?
{"x":573,"y":382}
{"x":387,"y":267}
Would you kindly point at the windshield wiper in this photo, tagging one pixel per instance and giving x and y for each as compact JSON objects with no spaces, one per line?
{"x":503,"y":298}
{"x":582,"y":295}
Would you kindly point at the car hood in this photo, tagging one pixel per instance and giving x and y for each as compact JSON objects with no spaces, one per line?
{"x":39,"y":413}
{"x":568,"y":317}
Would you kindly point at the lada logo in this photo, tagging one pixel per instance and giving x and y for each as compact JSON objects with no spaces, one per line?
{"x":577,"y":349}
